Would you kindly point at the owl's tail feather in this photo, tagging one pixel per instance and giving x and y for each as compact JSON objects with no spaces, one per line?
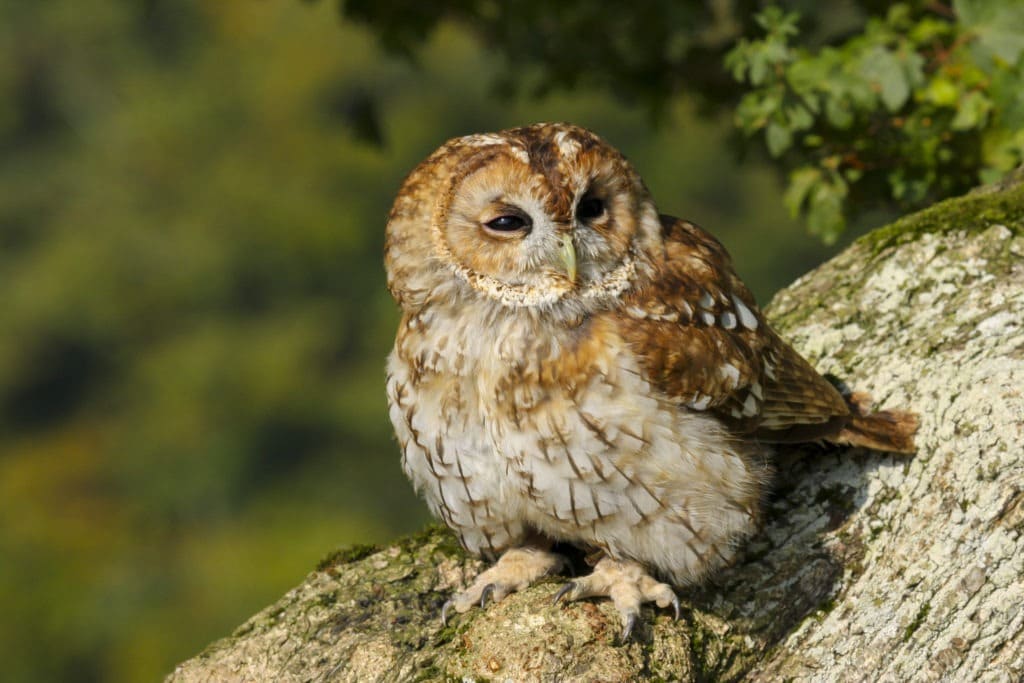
{"x":885,"y":430}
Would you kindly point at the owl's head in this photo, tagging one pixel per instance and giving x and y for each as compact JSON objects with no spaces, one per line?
{"x":548,"y":216}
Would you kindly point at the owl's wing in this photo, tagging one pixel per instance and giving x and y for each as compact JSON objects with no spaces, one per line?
{"x":702,"y":341}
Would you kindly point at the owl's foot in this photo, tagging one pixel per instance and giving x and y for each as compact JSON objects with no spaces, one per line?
{"x":627,"y":583}
{"x":515,"y":570}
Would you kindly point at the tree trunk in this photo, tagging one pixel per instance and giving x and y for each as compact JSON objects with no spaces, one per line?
{"x":870,"y":567}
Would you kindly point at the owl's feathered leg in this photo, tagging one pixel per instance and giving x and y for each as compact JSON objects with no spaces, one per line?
{"x":628,"y":585}
{"x":515,"y":570}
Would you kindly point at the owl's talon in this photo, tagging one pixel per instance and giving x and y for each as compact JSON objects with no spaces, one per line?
{"x":627,"y":629}
{"x":563,"y":591}
{"x":514,"y":571}
{"x":628,"y":585}
{"x":485,"y":593}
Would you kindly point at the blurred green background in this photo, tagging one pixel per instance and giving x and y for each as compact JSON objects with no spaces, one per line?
{"x":193,"y":318}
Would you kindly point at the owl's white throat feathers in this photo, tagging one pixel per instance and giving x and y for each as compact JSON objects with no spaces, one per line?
{"x":519,"y":295}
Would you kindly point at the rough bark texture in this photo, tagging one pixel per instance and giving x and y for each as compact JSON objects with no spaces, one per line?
{"x":870,"y":567}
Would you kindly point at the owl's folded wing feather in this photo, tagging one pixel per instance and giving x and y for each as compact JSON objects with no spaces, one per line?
{"x":703,"y":342}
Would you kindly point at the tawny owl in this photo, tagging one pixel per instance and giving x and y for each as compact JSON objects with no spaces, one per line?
{"x":572,"y":367}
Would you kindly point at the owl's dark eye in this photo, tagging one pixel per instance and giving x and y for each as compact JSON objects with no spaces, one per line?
{"x":590,"y":208}
{"x":508,"y":223}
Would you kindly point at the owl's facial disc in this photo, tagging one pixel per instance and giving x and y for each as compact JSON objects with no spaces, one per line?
{"x":497,"y":225}
{"x":538,"y":223}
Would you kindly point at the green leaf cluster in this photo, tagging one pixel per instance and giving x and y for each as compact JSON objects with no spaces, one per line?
{"x":864,"y":105}
{"x":914,"y":107}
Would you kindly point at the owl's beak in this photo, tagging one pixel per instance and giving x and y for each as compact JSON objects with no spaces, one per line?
{"x":568,"y":254}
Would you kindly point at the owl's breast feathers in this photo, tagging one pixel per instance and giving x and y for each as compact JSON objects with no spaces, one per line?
{"x":532,"y":427}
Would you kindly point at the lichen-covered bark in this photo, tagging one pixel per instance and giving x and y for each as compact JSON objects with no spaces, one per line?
{"x":870,"y":567}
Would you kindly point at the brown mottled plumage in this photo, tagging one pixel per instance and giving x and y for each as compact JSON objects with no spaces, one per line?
{"x":571,"y":366}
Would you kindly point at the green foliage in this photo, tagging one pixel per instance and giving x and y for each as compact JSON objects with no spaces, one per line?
{"x":864,"y":105}
{"x":639,"y":51}
{"x":913,"y":108}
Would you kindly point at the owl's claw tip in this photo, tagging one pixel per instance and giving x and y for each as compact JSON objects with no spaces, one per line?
{"x":487,"y":592}
{"x":444,"y":612}
{"x":675,"y":606}
{"x":563,"y":591}
{"x":627,"y":629}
